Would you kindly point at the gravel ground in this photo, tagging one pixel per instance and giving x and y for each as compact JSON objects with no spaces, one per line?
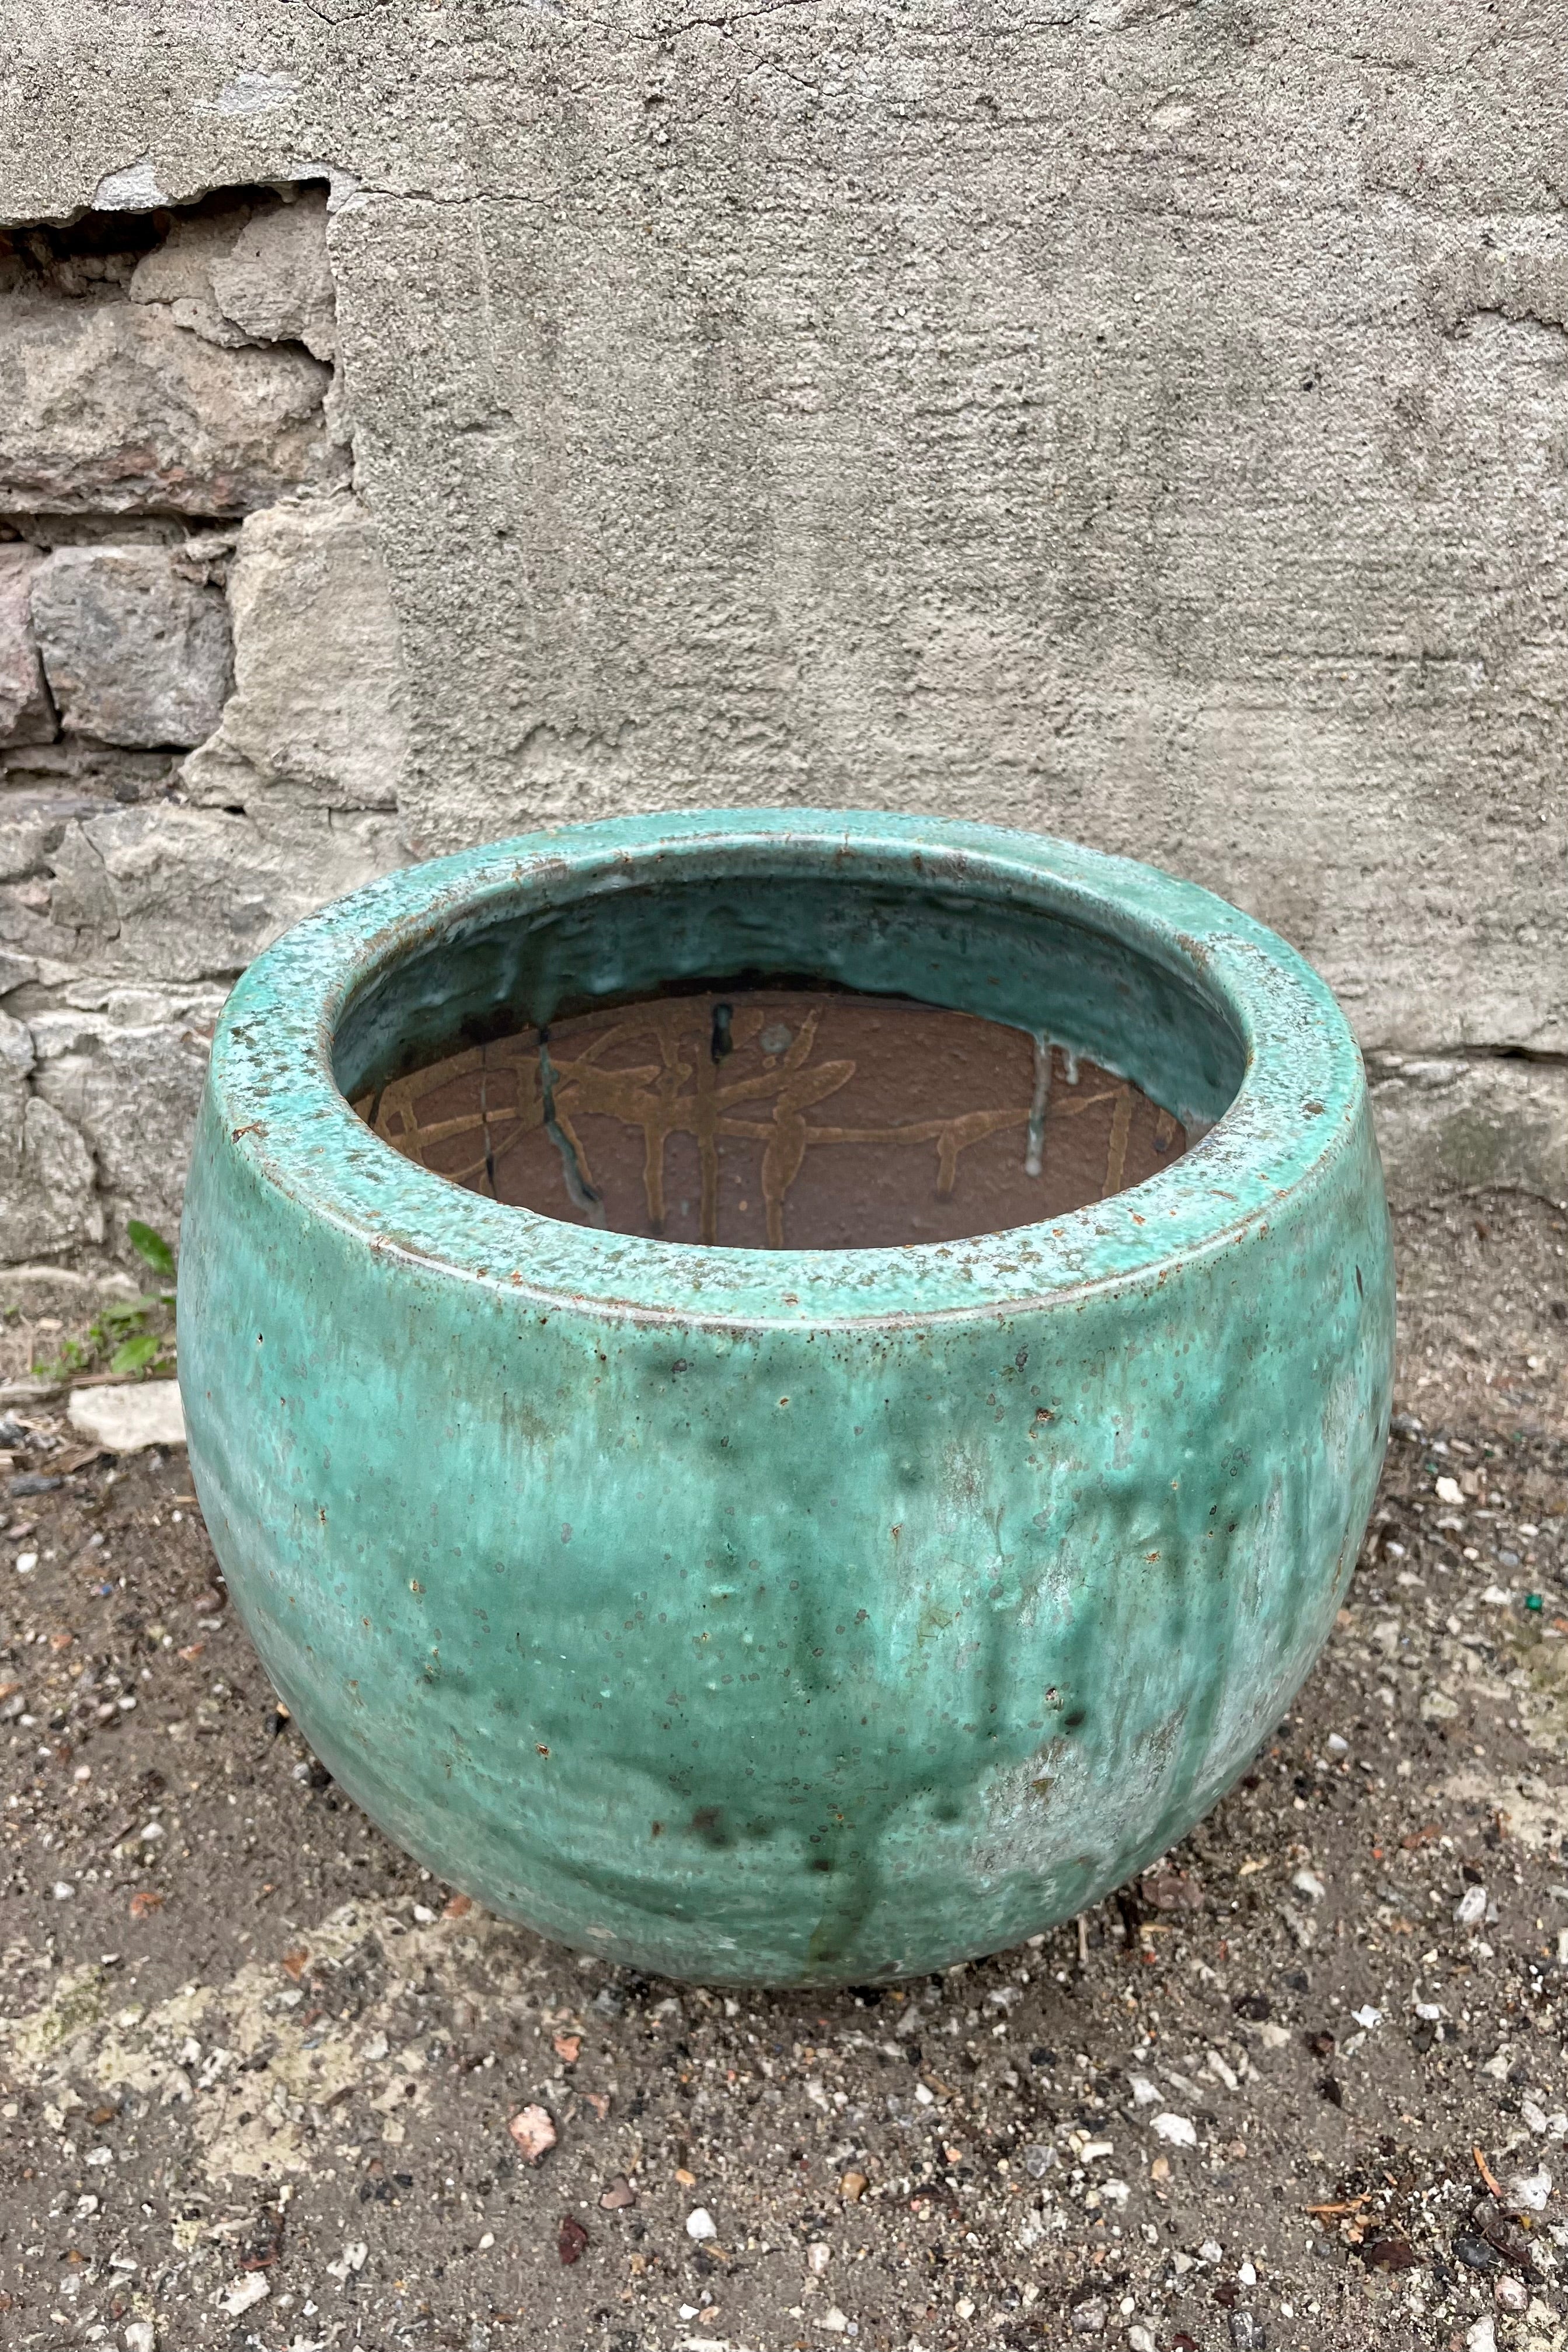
{"x":265,"y":2084}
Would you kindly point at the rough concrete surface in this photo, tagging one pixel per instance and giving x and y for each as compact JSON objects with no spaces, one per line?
{"x":1303,"y":2086}
{"x":1141,"y":419}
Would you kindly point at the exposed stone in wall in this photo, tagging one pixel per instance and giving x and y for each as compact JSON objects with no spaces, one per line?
{"x":234,"y":273}
{"x":25,"y":715}
{"x":134,"y":648}
{"x":106,"y":412}
{"x":47,"y":1181}
{"x":184,"y":568}
{"x":162,"y":892}
{"x":126,"y":1079}
{"x":110,"y":404}
{"x":318,"y":706}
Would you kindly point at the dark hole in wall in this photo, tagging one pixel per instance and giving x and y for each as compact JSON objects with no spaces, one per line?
{"x":95,"y":256}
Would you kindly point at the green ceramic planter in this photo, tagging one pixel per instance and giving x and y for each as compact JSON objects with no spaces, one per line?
{"x":779,"y":1616}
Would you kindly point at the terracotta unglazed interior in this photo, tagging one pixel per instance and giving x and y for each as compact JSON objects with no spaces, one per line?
{"x":791,"y":1117}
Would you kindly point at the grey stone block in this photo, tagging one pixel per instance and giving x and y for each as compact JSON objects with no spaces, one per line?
{"x":158,"y":895}
{"x":47,"y":1197}
{"x":111,"y":407}
{"x":275,"y":281}
{"x":24,"y":840}
{"x":196,"y":892}
{"x":136,"y":653}
{"x":318,"y":708}
{"x":26,"y":716}
{"x":245,"y":273}
{"x":131,"y":1088}
{"x":81,"y":903}
{"x":175,"y":278}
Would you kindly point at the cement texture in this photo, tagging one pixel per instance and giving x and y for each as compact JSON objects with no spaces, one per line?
{"x":1139,"y":419}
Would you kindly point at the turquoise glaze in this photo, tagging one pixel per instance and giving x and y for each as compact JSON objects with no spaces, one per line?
{"x":786,"y":1617}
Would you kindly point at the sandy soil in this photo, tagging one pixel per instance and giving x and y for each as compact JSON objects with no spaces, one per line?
{"x":1299,"y":2088}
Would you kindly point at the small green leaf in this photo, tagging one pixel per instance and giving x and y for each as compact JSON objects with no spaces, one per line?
{"x":133,"y":1354}
{"x":123,"y":1312}
{"x":152,"y":1246}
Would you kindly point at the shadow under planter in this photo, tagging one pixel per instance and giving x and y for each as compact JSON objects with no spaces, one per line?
{"x":846,"y":1409}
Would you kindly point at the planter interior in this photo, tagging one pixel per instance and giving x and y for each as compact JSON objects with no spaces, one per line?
{"x":796,"y":1061}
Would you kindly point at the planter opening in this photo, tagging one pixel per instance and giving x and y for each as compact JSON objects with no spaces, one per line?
{"x":786,"y":1062}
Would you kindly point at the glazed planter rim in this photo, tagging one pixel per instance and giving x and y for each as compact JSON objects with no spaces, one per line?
{"x":1295,"y":1112}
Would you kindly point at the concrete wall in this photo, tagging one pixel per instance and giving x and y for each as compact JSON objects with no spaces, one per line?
{"x":1142,"y":420}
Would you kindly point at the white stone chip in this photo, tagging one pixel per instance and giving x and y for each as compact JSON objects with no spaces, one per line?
{"x":255,"y":93}
{"x":1528,"y":2193}
{"x":132,"y":188}
{"x":124,"y":1420}
{"x":250,"y":2288}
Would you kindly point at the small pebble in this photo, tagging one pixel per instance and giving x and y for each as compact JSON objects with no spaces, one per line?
{"x":1176,"y":2129}
{"x":533,"y":2133}
{"x":1528,"y":2193}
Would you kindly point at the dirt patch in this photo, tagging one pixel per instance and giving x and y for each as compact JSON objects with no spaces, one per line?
{"x":259,"y":2071}
{"x":1483,"y":1313}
